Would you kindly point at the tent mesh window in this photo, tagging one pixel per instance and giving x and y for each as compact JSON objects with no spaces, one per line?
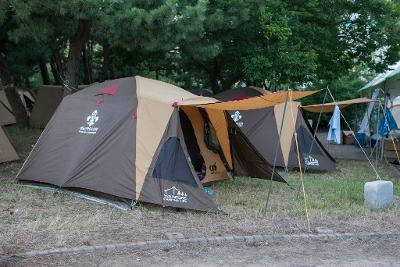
{"x":191,"y":142}
{"x":172,"y":164}
{"x":210,"y":138}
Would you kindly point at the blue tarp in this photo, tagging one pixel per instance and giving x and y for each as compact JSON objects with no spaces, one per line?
{"x":385,"y":125}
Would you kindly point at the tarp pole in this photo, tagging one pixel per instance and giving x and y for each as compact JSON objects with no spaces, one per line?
{"x":276,"y":156}
{"x":384,"y":114}
{"x":301,"y":172}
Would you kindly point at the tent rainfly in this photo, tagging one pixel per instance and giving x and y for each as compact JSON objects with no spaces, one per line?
{"x":330,"y":107}
{"x":388,"y":79}
{"x":7,"y":151}
{"x":143,"y":140}
{"x":262,"y":126}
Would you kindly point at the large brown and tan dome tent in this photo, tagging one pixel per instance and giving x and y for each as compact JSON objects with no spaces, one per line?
{"x":142,"y":140}
{"x":262,"y":126}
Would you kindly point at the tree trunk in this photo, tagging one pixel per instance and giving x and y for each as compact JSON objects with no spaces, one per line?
{"x":56,"y":67}
{"x":233,"y":78}
{"x":90,"y":60}
{"x":12,"y":95}
{"x":105,"y":68}
{"x":27,"y":83}
{"x":43,"y":72}
{"x":76,"y":43}
{"x":214,"y":77}
{"x":86,"y":65}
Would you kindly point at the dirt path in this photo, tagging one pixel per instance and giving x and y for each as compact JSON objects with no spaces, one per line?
{"x":382,"y":251}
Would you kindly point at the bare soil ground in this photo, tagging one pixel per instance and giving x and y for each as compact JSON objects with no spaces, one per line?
{"x":353,"y":252}
{"x":32,"y":219}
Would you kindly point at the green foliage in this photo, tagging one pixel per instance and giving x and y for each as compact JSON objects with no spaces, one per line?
{"x":215,"y":44}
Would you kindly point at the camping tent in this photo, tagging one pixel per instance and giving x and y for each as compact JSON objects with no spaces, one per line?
{"x":262,"y":127}
{"x":6,"y":114}
{"x":388,"y":81}
{"x":7,"y":151}
{"x":139,"y":139}
{"x":201,"y":91}
{"x":48,"y":98}
{"x":27,"y":99}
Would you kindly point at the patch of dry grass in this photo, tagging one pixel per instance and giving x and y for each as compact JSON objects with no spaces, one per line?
{"x":34,"y":219}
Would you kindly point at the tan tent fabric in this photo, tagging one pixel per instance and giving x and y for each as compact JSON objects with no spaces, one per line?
{"x":7,"y":151}
{"x":330,"y":107}
{"x":218,"y":120}
{"x":152,"y":95}
{"x":6,"y":117}
{"x":211,"y":159}
{"x":289,"y":126}
{"x":47,"y":100}
{"x":197,"y":100}
{"x":257,"y":102}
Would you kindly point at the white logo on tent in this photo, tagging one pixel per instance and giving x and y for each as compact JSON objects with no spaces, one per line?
{"x":236,"y":118}
{"x":90,"y":120}
{"x":174,"y":194}
{"x":310,"y":161}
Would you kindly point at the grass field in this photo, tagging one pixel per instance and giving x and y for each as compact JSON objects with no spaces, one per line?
{"x":34,"y":219}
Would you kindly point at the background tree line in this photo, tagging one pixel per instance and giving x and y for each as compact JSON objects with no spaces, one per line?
{"x":194,"y":43}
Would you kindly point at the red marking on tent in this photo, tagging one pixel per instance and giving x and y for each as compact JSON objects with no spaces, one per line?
{"x":175,"y":104}
{"x":108,"y":91}
{"x":240,"y":96}
{"x":99,"y":101}
{"x":134,"y":114}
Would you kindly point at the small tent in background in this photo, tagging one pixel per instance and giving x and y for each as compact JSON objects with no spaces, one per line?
{"x":139,"y":140}
{"x":6,"y":114}
{"x":262,"y":127}
{"x":7,"y":151}
{"x":48,"y":97}
{"x":201,"y":91}
{"x":27,"y":99}
{"x":241,"y":93}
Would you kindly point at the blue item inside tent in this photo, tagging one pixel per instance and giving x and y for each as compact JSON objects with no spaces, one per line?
{"x":386,"y":124}
{"x":208,"y":190}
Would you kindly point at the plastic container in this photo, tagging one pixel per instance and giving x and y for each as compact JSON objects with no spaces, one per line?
{"x":348,"y":137}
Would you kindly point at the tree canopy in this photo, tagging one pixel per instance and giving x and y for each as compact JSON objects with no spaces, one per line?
{"x":194,"y":43}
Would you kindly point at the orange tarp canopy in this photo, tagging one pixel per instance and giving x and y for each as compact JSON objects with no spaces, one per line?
{"x":330,"y":107}
{"x":256,"y":102}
